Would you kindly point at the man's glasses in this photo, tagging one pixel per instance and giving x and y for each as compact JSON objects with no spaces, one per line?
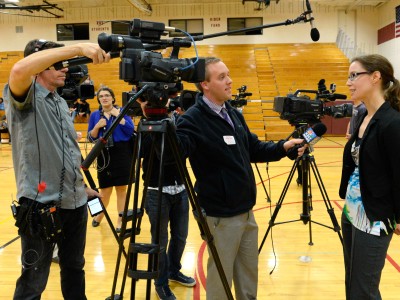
{"x":353,"y":76}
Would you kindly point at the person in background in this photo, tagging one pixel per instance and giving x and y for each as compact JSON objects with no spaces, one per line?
{"x":80,"y":108}
{"x":1,"y":103}
{"x":174,"y":211}
{"x":370,"y":175}
{"x":4,"y":129}
{"x":114,"y":161}
{"x":47,"y":161}
{"x":221,"y":149}
{"x":358,"y":110}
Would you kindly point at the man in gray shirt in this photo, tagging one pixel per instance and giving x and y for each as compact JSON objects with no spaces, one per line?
{"x":50,"y":188}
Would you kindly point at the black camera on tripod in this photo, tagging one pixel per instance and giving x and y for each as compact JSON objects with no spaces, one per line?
{"x":240,"y":98}
{"x":76,"y":86}
{"x":298,"y":108}
{"x":185,"y":100}
{"x":140,"y":65}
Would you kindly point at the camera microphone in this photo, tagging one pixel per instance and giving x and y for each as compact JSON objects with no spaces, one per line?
{"x":333,"y":96}
{"x":138,"y":25}
{"x":339,"y":96}
{"x":314,"y":31}
{"x":311,"y":136}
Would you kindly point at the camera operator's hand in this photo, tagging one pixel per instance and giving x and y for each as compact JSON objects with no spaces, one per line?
{"x":92,"y":193}
{"x":297,"y":143}
{"x":94,"y":52}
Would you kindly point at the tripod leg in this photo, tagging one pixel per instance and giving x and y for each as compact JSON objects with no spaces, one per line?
{"x":310,"y":208}
{"x":305,"y":216}
{"x":279,"y":203}
{"x":262,"y":182}
{"x":328,"y":205}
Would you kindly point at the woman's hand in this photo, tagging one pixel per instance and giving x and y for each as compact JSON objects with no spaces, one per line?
{"x":101,"y":123}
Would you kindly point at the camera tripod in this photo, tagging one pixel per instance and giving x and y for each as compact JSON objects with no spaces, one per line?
{"x":161,"y":131}
{"x":306,"y":161}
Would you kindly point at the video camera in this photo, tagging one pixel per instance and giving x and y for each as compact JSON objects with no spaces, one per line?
{"x":139,"y":66}
{"x":240,"y":98}
{"x":301,"y":109}
{"x":185,"y":100}
{"x":75,"y":86}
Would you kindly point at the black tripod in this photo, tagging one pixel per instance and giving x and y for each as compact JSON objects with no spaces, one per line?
{"x":160,"y":131}
{"x":305,"y":162}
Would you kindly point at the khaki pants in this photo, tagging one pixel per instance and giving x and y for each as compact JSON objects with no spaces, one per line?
{"x":236,"y":241}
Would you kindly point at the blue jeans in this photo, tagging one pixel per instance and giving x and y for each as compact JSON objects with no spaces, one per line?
{"x":37,"y":253}
{"x":175,"y":210}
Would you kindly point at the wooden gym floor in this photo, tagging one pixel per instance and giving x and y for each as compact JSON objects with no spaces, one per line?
{"x":300,"y":271}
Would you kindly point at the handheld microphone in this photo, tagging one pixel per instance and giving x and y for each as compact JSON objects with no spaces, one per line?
{"x":311,"y":136}
{"x":314,"y":31}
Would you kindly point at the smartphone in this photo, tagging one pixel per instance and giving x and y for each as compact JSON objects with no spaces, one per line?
{"x":95,"y":206}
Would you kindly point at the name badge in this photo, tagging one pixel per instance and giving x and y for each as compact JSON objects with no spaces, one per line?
{"x":229,"y":140}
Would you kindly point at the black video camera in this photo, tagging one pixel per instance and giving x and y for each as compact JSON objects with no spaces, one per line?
{"x":298,"y":108}
{"x":75,"y":86}
{"x":240,"y":98}
{"x":185,"y":100}
{"x":140,"y":65}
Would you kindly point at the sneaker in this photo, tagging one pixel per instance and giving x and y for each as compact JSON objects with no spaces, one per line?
{"x":182,"y":279}
{"x":165,"y":293}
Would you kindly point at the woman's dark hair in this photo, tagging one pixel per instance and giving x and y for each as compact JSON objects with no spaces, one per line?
{"x":390,"y":85}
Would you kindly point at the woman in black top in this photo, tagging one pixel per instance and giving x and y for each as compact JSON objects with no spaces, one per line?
{"x":370,"y":176}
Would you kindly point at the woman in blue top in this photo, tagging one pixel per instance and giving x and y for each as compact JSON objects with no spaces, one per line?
{"x":114,"y":161}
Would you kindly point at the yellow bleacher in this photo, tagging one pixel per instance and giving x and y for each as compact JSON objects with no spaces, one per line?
{"x":268,"y":70}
